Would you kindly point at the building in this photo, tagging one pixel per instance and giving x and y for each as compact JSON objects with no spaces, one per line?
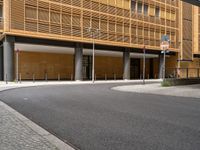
{"x":52,"y":39}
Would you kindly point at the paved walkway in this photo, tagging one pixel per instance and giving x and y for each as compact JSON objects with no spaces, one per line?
{"x":181,"y":91}
{"x":16,"y":135}
{"x":19,"y":133}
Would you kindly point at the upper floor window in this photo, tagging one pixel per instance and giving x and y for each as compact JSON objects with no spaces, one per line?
{"x":146,"y":9}
{"x":133,"y":5}
{"x":139,"y":7}
{"x":157,"y":12}
{"x":1,"y":12}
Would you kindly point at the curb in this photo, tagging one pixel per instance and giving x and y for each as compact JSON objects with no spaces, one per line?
{"x":59,"y":144}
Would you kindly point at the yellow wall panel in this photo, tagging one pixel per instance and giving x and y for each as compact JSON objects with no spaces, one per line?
{"x":152,"y":10}
{"x":40,"y":64}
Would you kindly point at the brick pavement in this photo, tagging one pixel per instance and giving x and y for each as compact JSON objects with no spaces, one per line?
{"x":19,"y":133}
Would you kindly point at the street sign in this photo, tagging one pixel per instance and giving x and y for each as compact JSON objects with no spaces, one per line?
{"x":17,"y":51}
{"x":164,"y":45}
{"x":165,"y":42}
{"x":165,"y":38}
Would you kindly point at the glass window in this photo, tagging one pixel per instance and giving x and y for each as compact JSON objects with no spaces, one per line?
{"x":133,"y":6}
{"x":157,"y":12}
{"x":139,"y":7}
{"x":146,"y":9}
{"x":1,"y":12}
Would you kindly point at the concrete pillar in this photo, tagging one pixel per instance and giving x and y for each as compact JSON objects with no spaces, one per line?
{"x":8,"y":58}
{"x":78,"y":62}
{"x":161,"y":65}
{"x":1,"y":63}
{"x":126,"y":63}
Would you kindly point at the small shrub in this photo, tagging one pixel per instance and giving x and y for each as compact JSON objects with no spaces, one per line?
{"x":166,"y":83}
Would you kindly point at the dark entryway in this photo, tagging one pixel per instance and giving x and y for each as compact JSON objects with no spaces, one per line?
{"x":135,"y":68}
{"x":87,"y":67}
{"x":151,"y":69}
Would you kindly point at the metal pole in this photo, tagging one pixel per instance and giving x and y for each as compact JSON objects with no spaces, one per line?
{"x":93,"y":60}
{"x":164,"y":66}
{"x":20,"y":78}
{"x":17,"y":66}
{"x":58,"y":77}
{"x":6,"y":79}
{"x":71,"y":77}
{"x":144,"y":65}
{"x":33,"y":78}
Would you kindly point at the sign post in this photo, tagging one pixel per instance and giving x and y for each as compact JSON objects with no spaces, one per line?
{"x":144,"y":64}
{"x":164,"y":47}
{"x":17,"y":65}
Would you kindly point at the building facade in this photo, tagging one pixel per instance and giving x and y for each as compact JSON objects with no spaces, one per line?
{"x":52,"y":39}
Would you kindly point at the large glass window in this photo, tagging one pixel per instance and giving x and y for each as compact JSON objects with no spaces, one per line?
{"x":146,"y":9}
{"x":139,"y":7}
{"x":157,"y":12}
{"x":133,"y":6}
{"x":1,"y":12}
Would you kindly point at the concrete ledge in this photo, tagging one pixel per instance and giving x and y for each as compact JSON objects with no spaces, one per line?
{"x":174,"y":82}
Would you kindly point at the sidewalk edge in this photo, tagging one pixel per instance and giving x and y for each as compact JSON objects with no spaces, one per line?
{"x":39,"y":130}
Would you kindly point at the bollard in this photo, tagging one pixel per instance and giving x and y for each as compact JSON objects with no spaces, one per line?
{"x":114,"y":76}
{"x":33,"y":78}
{"x":20,"y":78}
{"x":71,"y":77}
{"x":58,"y":77}
{"x":6,"y":79}
{"x":187,"y":73}
{"x":46,"y":77}
{"x":174,"y":74}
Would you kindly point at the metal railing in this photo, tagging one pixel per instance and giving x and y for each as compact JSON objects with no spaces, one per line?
{"x":183,"y":73}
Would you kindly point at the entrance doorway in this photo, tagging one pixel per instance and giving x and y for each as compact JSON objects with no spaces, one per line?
{"x":87,"y":67}
{"x":135,"y":68}
{"x":151,"y":69}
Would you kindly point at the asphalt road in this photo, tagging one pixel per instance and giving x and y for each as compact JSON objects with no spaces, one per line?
{"x":94,"y":117}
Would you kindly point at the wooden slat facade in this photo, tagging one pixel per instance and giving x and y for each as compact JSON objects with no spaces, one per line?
{"x":186,"y":34}
{"x":118,"y":24}
{"x":1,"y":19}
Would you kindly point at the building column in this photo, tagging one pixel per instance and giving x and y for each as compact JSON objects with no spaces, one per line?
{"x":161,"y":65}
{"x":78,"y":62}
{"x":126,"y":64}
{"x":1,"y":62}
{"x":8,"y":58}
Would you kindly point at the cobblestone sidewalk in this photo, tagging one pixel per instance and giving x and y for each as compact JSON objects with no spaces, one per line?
{"x":19,"y":133}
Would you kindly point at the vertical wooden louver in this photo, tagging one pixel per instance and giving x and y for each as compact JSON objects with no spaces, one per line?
{"x":118,"y":24}
{"x":1,"y":19}
{"x":17,"y":14}
{"x":187,"y":32}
